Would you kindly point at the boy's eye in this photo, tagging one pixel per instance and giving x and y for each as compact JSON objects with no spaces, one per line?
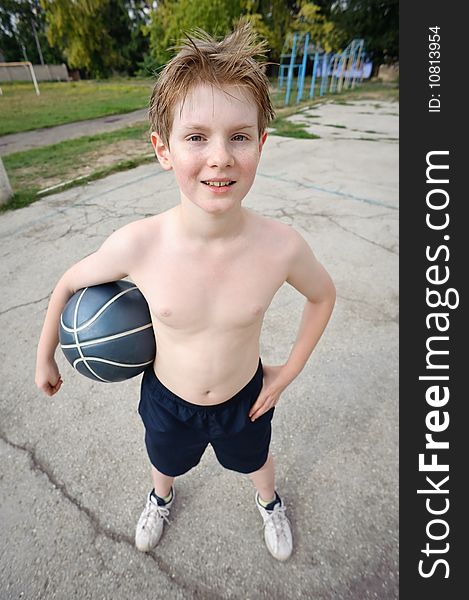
{"x":195,"y":138}
{"x":239,"y":137}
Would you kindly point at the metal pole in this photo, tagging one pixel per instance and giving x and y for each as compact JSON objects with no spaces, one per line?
{"x":313,"y":76}
{"x":24,"y":52}
{"x":33,"y":76}
{"x":358,"y":63}
{"x":351,"y":61}
{"x":290,"y":70}
{"x":302,"y":73}
{"x":26,"y":64}
{"x":324,"y":73}
{"x":333,"y":74}
{"x":38,"y":45}
{"x":343,"y":62}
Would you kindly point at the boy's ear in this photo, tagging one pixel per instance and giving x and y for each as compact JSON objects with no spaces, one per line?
{"x":161,"y":151}
{"x":262,"y":141}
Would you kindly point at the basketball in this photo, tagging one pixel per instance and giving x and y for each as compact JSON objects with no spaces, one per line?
{"x":106,"y":332}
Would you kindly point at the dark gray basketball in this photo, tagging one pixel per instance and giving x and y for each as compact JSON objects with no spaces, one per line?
{"x":106,"y":332}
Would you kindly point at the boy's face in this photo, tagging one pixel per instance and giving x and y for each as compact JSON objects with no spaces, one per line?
{"x":214,"y":141}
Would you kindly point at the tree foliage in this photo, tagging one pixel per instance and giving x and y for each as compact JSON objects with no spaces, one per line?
{"x":97,"y":36}
{"x":324,"y":33}
{"x":100,"y":37}
{"x":377,"y":21}
{"x":171,"y":18}
{"x":272,"y":19}
{"x":22,"y":22}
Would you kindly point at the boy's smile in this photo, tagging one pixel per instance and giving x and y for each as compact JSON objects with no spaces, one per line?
{"x":214,"y":147}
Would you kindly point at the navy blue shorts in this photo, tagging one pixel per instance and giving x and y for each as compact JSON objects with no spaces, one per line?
{"x":177,"y":432}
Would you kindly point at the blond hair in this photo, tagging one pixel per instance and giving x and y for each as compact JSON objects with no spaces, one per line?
{"x":202,"y":59}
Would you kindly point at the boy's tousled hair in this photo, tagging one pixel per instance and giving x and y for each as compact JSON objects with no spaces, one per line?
{"x":204,"y":60}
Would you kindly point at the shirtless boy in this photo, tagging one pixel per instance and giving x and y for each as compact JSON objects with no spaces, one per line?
{"x":208,"y":269}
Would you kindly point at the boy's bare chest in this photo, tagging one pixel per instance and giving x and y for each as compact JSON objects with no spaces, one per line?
{"x":194,"y":292}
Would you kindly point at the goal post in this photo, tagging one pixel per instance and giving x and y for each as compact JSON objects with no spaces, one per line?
{"x":28,"y":65}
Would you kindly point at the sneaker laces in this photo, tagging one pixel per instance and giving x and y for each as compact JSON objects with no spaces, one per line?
{"x":278,"y":518}
{"x":151,"y":508}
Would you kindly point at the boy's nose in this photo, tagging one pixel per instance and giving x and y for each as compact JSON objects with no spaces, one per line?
{"x":220,"y":155}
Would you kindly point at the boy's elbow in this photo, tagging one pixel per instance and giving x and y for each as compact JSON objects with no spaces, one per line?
{"x":71,"y":280}
{"x":328,"y":292}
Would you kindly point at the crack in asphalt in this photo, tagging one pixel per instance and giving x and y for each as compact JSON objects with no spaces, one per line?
{"x":7,"y":310}
{"x":332,"y":220}
{"x":296,"y":211}
{"x":36,"y":465}
{"x":300,"y":184}
{"x":387,"y":318}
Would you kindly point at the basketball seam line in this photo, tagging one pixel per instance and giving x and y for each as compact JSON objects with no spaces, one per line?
{"x":75,"y":333}
{"x":109,"y":362}
{"x":95,"y":316}
{"x":108,"y":338}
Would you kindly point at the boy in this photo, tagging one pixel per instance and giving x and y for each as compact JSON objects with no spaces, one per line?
{"x":208,"y":269}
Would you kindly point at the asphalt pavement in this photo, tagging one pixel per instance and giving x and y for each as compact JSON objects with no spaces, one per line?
{"x":73,"y":468}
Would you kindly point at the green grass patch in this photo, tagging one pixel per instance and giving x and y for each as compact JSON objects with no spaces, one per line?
{"x":28,"y":196}
{"x":67,"y":102}
{"x":285,"y":128}
{"x":78,"y":161}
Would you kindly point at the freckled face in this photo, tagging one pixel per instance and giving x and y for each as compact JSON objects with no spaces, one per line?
{"x":214,"y":147}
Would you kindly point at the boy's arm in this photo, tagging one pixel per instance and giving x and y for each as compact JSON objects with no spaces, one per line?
{"x":310,"y":278}
{"x":112,"y":261}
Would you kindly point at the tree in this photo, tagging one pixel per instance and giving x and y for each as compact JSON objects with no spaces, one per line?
{"x":324,"y":32}
{"x":376,"y":21}
{"x":138,"y":46}
{"x":271,"y":19}
{"x":171,"y":18}
{"x":94,"y":35}
{"x":22,"y":33}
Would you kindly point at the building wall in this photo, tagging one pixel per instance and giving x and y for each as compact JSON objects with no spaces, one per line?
{"x":42,"y":72}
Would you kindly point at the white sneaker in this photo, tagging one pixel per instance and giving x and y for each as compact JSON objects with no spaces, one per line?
{"x":150,"y":524}
{"x":277,"y":531}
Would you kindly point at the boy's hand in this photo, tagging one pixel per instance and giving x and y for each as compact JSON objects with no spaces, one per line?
{"x":48,"y":378}
{"x":274,"y":384}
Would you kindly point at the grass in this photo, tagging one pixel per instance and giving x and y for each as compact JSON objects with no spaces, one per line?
{"x":75,"y":162}
{"x":282,"y":127}
{"x":67,"y":102}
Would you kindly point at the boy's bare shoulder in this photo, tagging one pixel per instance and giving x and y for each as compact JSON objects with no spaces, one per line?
{"x":275,"y":232}
{"x":131,"y":243}
{"x":141,"y":232}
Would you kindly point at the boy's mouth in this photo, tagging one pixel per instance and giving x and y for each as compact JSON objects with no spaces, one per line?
{"x":219,"y":183}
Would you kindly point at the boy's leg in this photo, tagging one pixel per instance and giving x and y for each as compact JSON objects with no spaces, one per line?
{"x":156,"y":511}
{"x":161,"y":483}
{"x":264,"y":479}
{"x":277,"y":531}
